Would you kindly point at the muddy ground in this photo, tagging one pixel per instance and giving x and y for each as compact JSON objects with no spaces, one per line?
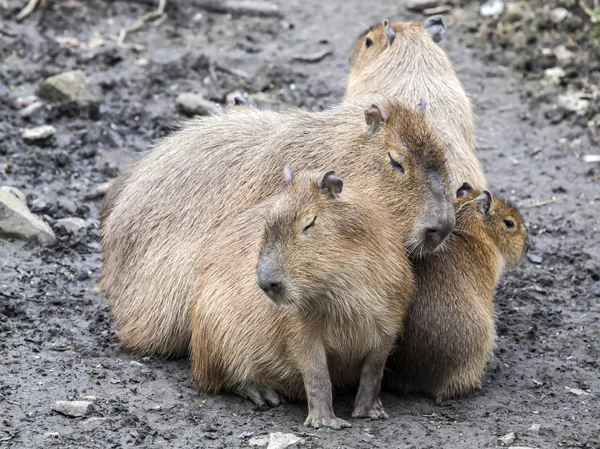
{"x":57,"y":340}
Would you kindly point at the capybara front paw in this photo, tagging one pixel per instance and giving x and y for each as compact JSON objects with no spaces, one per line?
{"x":373,"y":411}
{"x":326,"y":421}
{"x":262,"y":396}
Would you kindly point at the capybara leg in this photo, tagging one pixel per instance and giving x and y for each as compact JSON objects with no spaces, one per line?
{"x":368,"y":404}
{"x":261,"y":396}
{"x":317,"y":383}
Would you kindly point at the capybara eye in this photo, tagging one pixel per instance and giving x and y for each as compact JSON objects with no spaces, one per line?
{"x":397,"y":165}
{"x":509,"y":224}
{"x":310,"y":225}
{"x":368,"y":42}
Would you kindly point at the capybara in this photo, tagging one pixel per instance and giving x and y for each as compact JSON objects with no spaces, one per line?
{"x":334,"y":266}
{"x":449,"y":333}
{"x":403,"y":60}
{"x":174,"y":199}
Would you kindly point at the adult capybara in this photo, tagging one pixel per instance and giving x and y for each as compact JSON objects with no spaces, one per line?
{"x":174,"y":199}
{"x":335,"y":269}
{"x":449,"y":333}
{"x":403,"y":60}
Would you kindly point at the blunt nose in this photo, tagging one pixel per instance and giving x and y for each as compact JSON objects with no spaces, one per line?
{"x":269,"y":276}
{"x":437,"y":232}
{"x":270,"y":286}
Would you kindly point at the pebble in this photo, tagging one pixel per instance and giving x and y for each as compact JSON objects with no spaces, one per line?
{"x":136,"y":364}
{"x":280,"y":440}
{"x":70,"y":86}
{"x":38,"y":133}
{"x":492,"y":8}
{"x":578,"y":392}
{"x":535,"y":428}
{"x":92,"y":423}
{"x":554,"y":74}
{"x":72,"y":223}
{"x":193,"y":104}
{"x":509,"y":438}
{"x":420,"y":5}
{"x":259,"y":441}
{"x":16,"y":220}
{"x":563,"y":55}
{"x":573,"y":102}
{"x":534,"y":258}
{"x":559,"y":14}
{"x":99,"y":191}
{"x":31,"y":109}
{"x":74,"y":409}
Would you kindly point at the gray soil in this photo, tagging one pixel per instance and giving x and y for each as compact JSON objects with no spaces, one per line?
{"x":57,"y":340}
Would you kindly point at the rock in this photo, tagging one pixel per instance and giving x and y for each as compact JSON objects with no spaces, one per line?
{"x":515,"y":12}
{"x":492,"y":8}
{"x":508,"y":438}
{"x":16,"y":220}
{"x":70,"y":86}
{"x":72,"y":223}
{"x":193,"y":104}
{"x":73,"y":409}
{"x":94,"y":422}
{"x":534,"y":258}
{"x":52,"y":434}
{"x":259,"y":441}
{"x":559,"y":14}
{"x":280,"y":440}
{"x":136,"y":364}
{"x":89,"y":398}
{"x":554,"y":75}
{"x":578,"y":392}
{"x":420,"y":5}
{"x":563,"y":55}
{"x":38,"y":133}
{"x":535,"y":428}
{"x":573,"y":102}
{"x":31,"y":109}
{"x":99,"y":191}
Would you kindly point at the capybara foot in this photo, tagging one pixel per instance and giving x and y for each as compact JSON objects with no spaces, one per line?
{"x":326,"y":421}
{"x":261,"y":396}
{"x":373,"y":411}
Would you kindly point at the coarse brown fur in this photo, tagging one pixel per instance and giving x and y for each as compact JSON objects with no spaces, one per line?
{"x":214,"y":168}
{"x":348,"y":283}
{"x":411,"y":68}
{"x":450,"y":331}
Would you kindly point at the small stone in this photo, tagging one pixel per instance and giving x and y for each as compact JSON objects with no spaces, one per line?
{"x":31,"y":109}
{"x":492,"y":8}
{"x":578,"y":392}
{"x":39,"y":133}
{"x":99,"y":191}
{"x":16,"y":220}
{"x":259,"y":441}
{"x":136,"y":364}
{"x":280,"y":440}
{"x":26,"y":101}
{"x":535,"y":428}
{"x":559,"y":14}
{"x":89,"y":398}
{"x":94,"y":422}
{"x":52,"y":434}
{"x":74,"y":409}
{"x":420,"y":5}
{"x":72,"y":223}
{"x":70,"y":86}
{"x":534,"y":258}
{"x":554,"y":75}
{"x":573,"y":102}
{"x":563,"y":55}
{"x":197,"y":17}
{"x":193,"y":104}
{"x":508,"y":438}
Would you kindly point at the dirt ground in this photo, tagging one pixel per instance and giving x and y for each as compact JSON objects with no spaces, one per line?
{"x":57,"y":341}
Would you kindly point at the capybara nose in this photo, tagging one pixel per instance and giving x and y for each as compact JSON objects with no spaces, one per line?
{"x":270,"y":287}
{"x":437,"y":233}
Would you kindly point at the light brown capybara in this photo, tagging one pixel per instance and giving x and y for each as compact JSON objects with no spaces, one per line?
{"x":449,"y":333}
{"x":403,"y":60}
{"x":339,"y":280}
{"x":173,"y":200}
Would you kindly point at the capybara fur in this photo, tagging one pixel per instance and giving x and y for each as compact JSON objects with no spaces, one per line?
{"x":403,"y":60}
{"x":174,"y":199}
{"x":449,"y":333}
{"x":301,"y":294}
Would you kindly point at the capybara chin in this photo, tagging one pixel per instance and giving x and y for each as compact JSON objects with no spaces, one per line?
{"x":172,"y":201}
{"x":449,"y":333}
{"x":301,"y":294}
{"x":403,"y":60}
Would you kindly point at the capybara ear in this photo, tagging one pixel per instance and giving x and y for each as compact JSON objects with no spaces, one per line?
{"x":389,"y":31}
{"x":239,"y":101}
{"x":375,"y":117}
{"x":331,"y":184}
{"x":485,"y":203}
{"x":464,"y":189}
{"x":422,"y":105}
{"x":435,"y":26}
{"x":288,"y":174}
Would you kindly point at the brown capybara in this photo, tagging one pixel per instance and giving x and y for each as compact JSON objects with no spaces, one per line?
{"x":449,"y":333}
{"x":404,"y":61}
{"x":174,"y":199}
{"x":334,"y":266}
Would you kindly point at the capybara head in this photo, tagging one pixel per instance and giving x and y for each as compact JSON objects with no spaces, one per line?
{"x":414,"y":164}
{"x":315,"y":241}
{"x":385,"y":46}
{"x":480,"y":211}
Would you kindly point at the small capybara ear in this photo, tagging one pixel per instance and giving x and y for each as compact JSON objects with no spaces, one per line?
{"x":331,"y":184}
{"x":389,"y":31}
{"x":464,"y":189}
{"x":288,"y":175}
{"x":422,"y":105}
{"x":375,"y":117}
{"x":485,"y":203}
{"x":435,"y":26}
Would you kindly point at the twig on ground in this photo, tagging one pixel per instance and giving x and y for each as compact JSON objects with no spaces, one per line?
{"x":29,"y":8}
{"x":257,"y":8}
{"x":486,"y":147}
{"x":140,"y":23}
{"x":11,"y":402}
{"x":313,"y":57}
{"x":538,"y":204}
